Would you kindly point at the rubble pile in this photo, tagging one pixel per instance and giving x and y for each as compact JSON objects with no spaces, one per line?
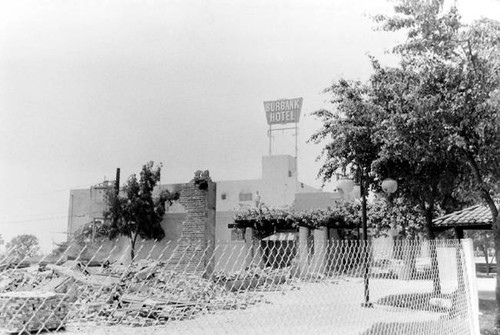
{"x":144,"y":293}
{"x":23,"y":312}
{"x":254,"y":278}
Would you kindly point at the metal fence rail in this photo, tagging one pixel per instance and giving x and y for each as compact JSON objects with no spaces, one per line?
{"x":341,"y":287}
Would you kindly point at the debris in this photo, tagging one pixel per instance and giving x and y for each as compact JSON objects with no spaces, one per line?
{"x":24,"y":312}
{"x":143,"y":293}
{"x":252,"y":278}
{"x":147,"y":272}
{"x":55,"y":285}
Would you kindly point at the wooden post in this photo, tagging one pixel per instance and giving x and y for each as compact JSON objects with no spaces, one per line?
{"x":335,"y":254}
{"x":249,"y":244}
{"x":459,"y":233}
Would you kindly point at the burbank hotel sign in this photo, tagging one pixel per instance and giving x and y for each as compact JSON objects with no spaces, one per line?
{"x":283,"y":111}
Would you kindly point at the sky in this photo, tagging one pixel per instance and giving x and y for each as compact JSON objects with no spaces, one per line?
{"x":89,"y":86}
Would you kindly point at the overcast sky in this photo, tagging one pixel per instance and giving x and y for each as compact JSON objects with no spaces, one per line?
{"x":87,"y":86}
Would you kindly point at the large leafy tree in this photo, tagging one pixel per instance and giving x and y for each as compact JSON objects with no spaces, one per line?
{"x":23,"y":246}
{"x":435,"y":122}
{"x":348,"y":131}
{"x":458,"y":69}
{"x":371,"y":130}
{"x":135,"y":212}
{"x":374,"y":129}
{"x":349,"y":135}
{"x":411,"y":148}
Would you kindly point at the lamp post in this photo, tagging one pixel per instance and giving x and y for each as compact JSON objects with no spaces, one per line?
{"x":389,"y":185}
{"x":366,"y":279}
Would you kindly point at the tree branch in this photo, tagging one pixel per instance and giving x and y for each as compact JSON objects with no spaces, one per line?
{"x":485,"y":194}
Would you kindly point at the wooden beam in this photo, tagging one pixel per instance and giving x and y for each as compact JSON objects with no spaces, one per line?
{"x":459,"y":233}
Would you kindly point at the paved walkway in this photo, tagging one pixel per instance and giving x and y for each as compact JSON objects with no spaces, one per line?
{"x":486,"y":288}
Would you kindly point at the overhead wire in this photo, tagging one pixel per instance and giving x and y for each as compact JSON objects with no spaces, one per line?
{"x":38,"y":219}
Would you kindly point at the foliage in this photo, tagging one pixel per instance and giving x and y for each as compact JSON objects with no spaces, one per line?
{"x":458,"y":72}
{"x":382,"y":216}
{"x":23,"y":246}
{"x":267,"y":219}
{"x":432,"y":122}
{"x":483,"y":240}
{"x":399,"y":215}
{"x":60,"y":249}
{"x":201,"y":178}
{"x":450,"y":79}
{"x":411,"y":146}
{"x":348,"y":131}
{"x":135,"y":212}
{"x":92,"y":232}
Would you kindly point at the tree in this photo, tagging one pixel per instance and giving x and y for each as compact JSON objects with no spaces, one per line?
{"x":410,"y":143}
{"x":60,"y":249}
{"x":374,"y":129}
{"x":348,"y":131}
{"x":135,"y":212}
{"x":395,"y":214}
{"x":459,"y":70}
{"x":23,"y":246}
{"x":436,"y":114}
{"x":364,"y":133}
{"x":483,"y":240}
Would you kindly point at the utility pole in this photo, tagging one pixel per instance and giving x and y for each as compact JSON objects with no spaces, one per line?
{"x":117,"y":181}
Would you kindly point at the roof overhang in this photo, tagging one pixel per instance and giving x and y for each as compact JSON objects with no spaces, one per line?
{"x":476,"y":217}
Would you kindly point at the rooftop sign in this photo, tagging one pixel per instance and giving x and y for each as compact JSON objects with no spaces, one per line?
{"x":283,"y":111}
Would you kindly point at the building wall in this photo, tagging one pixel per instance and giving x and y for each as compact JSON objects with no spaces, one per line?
{"x":85,"y":205}
{"x":315,"y":200}
{"x":279,"y":167}
{"x":119,"y":249}
{"x":277,"y":188}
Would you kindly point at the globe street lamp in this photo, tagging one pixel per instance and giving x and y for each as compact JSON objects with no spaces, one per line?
{"x":346,"y":185}
{"x":389,"y":185}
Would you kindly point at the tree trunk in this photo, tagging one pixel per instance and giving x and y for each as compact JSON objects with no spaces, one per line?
{"x":132,"y":247}
{"x":485,"y":194}
{"x":484,"y":249}
{"x":409,"y":259}
{"x":496,"y":234}
{"x":436,"y":283}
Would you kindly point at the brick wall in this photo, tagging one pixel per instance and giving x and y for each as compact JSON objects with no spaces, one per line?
{"x":197,"y":243}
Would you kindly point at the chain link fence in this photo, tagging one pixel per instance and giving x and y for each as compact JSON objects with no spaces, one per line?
{"x":267,"y":286}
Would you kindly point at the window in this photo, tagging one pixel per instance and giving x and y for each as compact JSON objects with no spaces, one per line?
{"x":223,"y":196}
{"x":245,"y":196}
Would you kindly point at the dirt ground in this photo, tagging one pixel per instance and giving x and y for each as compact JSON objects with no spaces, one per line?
{"x":310,"y":308}
{"x":487,"y":305}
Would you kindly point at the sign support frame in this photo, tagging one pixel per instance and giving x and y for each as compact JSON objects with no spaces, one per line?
{"x":296,"y":128}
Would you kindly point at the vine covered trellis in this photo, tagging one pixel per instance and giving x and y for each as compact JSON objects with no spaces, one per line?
{"x":341,"y":215}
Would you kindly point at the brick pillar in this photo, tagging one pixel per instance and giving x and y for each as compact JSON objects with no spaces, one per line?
{"x":196,"y":246}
